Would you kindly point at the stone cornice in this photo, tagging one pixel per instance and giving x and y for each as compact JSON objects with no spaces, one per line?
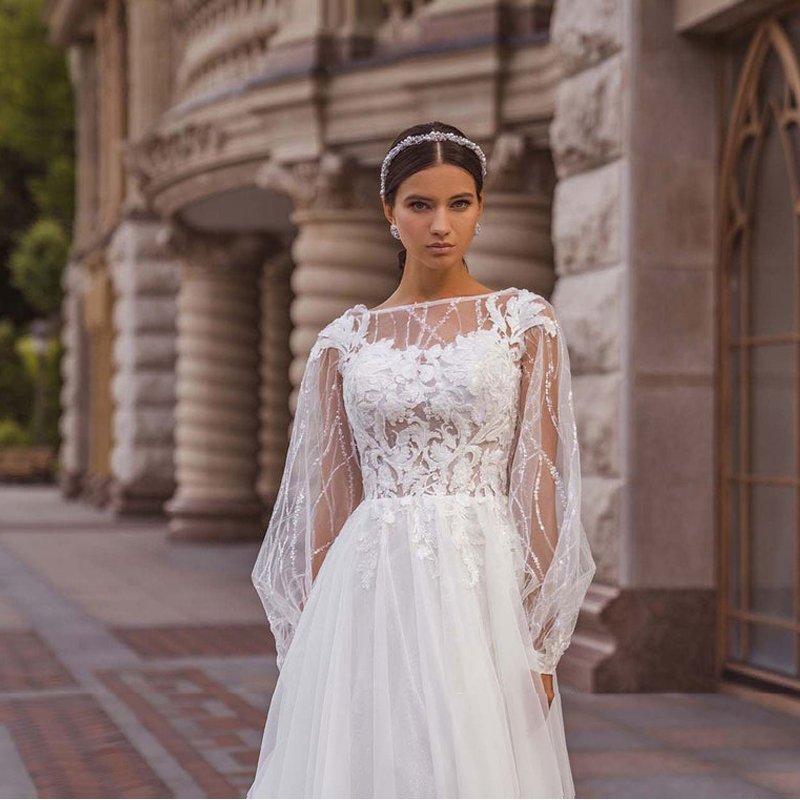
{"x":174,"y":150}
{"x":283,"y":123}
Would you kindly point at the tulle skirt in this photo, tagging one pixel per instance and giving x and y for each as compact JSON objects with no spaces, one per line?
{"x":412,"y":672}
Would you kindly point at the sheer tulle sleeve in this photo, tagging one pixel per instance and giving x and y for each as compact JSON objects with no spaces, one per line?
{"x":320,"y":487}
{"x":545,"y":483}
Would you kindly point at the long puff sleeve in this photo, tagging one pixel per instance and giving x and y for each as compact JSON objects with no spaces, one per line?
{"x":320,"y":487}
{"x":545,"y":483}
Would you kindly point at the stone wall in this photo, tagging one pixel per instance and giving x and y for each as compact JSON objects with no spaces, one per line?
{"x":587,"y":145}
{"x":634,"y":145}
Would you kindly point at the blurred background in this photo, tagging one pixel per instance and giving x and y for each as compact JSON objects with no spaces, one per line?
{"x":189,"y":193}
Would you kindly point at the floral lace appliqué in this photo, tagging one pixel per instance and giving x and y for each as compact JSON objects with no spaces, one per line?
{"x":434,"y":419}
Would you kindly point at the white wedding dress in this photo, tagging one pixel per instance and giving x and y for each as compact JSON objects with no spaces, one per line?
{"x":425,"y":560}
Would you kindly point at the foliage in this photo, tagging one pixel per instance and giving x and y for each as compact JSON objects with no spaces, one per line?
{"x":37,"y":263}
{"x":12,"y":434}
{"x":37,"y":133}
{"x":16,"y":384}
{"x":51,"y":433}
{"x":37,"y":120}
{"x":51,"y":376}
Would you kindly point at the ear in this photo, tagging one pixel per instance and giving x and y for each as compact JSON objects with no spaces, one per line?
{"x":387,"y":211}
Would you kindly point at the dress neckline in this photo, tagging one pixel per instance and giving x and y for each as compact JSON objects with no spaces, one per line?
{"x":435,"y":301}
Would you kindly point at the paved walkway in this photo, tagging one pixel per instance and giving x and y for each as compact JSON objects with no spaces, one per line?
{"x":131,"y":666}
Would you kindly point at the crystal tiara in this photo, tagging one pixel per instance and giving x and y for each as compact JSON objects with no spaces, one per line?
{"x":436,"y":136}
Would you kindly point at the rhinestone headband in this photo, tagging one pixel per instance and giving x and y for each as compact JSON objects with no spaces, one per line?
{"x":433,"y":136}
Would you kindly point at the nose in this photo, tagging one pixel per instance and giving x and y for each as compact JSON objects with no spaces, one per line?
{"x":440,"y":224}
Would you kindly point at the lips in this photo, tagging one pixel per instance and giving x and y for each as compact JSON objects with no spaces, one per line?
{"x":440,"y":246}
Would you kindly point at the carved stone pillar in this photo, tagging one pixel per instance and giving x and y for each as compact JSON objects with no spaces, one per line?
{"x":150,"y":75}
{"x":112,"y":116}
{"x":514,"y":247}
{"x":344,"y":253}
{"x":276,"y":357}
{"x":98,"y":312}
{"x":148,"y":62}
{"x":74,"y":421}
{"x":84,"y":75}
{"x":145,"y":277}
{"x":216,"y":430}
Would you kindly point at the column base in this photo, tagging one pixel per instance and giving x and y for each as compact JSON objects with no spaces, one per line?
{"x":70,"y":484}
{"x":96,"y":490}
{"x":141,"y":498}
{"x":198,"y":520}
{"x":643,"y":640}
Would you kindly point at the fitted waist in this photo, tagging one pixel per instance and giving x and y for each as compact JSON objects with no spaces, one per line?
{"x":411,"y":497}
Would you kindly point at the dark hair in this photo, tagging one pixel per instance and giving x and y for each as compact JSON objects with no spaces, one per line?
{"x":427,"y":154}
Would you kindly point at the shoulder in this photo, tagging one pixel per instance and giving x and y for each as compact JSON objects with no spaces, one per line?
{"x":339,"y":333}
{"x":527,"y":309}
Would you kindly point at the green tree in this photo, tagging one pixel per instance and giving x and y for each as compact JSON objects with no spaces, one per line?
{"x":16,"y":383}
{"x":37,"y":263}
{"x":37,"y":134}
{"x":37,"y":119}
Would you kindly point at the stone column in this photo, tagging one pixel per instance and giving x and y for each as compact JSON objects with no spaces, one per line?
{"x":149,"y":53}
{"x":633,"y":143}
{"x":216,"y":430}
{"x":110,"y":36}
{"x":276,"y":388}
{"x":74,"y":421}
{"x":98,"y":307}
{"x":591,"y":292}
{"x":146,"y":281}
{"x":145,"y":277}
{"x":514,"y":247}
{"x":84,"y":78}
{"x":343,"y":254}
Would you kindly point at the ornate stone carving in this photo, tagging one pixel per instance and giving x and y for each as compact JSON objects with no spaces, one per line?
{"x":223,"y":42}
{"x":168,"y":151}
{"x":335,"y":181}
{"x":214,"y":250}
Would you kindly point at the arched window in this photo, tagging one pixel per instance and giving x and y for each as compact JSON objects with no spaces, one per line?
{"x":759,"y":339}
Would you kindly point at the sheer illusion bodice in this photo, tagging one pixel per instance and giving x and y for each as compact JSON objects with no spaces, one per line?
{"x":431,"y":397}
{"x":436,"y":442}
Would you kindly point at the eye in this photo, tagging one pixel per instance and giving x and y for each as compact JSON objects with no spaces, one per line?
{"x":417,"y":203}
{"x":463,"y":201}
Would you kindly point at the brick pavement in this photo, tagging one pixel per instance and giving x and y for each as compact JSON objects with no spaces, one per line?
{"x":134,"y":667}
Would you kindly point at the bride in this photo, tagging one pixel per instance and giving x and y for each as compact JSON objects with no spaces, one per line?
{"x":425,"y":562}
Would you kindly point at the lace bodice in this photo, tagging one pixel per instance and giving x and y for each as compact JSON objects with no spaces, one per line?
{"x":464,"y":396}
{"x":431,"y":390}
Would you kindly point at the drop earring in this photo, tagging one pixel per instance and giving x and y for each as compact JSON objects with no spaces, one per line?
{"x":477,"y":228}
{"x":395,"y":232}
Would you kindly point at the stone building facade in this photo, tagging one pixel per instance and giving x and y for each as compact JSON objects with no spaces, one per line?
{"x":228,"y":167}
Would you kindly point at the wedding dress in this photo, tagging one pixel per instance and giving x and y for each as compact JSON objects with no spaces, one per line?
{"x":425,"y":560}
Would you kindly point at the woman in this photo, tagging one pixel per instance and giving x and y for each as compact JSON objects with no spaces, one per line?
{"x":425,"y":562}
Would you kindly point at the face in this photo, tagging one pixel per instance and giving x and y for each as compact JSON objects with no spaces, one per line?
{"x":436,"y":205}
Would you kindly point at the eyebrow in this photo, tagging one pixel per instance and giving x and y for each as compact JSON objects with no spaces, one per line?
{"x":422,"y":197}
